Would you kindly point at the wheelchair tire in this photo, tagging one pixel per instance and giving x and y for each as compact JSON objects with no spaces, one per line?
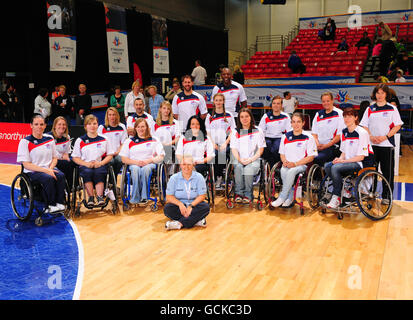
{"x":274,"y":183}
{"x":162,"y":181}
{"x":22,"y":204}
{"x":314,"y":178}
{"x":211,"y":185}
{"x":123,"y":184}
{"x":229,"y":181}
{"x":370,"y":201}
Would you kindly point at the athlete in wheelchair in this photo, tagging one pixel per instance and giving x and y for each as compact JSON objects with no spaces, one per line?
{"x":288,"y":178}
{"x":352,"y":180}
{"x":92,"y":153}
{"x":40,"y":185}
{"x":246,"y":165}
{"x":142,"y":156}
{"x":197,"y":144}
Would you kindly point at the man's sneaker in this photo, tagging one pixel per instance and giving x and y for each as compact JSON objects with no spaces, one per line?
{"x":334,"y":202}
{"x":385,"y":202}
{"x":61,"y":207}
{"x":238,"y":199}
{"x":201,"y":223}
{"x":287,"y":203}
{"x":245,"y":200}
{"x":277,"y":202}
{"x":173,"y":225}
{"x":218,"y":183}
{"x":91,"y":202}
{"x":346,"y":194}
{"x":100,"y":201}
{"x":53,"y":209}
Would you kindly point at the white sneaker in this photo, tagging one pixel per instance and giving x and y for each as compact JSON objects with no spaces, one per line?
{"x":347,"y":194}
{"x":53,"y":209}
{"x":61,"y":207}
{"x":277,"y":202}
{"x":218,"y":183}
{"x":201,"y":223}
{"x":173,"y":225}
{"x":334,"y":202}
{"x":288,"y":202}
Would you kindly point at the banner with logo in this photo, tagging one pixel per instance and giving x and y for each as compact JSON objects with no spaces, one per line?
{"x":160,"y":45}
{"x":308,"y":95}
{"x":359,"y":19}
{"x":300,"y":80}
{"x":117,"y":38}
{"x":62,"y":35}
{"x":11,"y":134}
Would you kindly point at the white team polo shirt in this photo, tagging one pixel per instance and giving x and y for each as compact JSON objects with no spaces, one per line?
{"x":247,"y":142}
{"x":187,"y":106}
{"x":356,"y":143}
{"x":197,"y":149}
{"x":234,"y":95}
{"x":327,"y":125}
{"x":63,"y":145}
{"x":166,"y":132}
{"x":92,"y":149}
{"x":115,"y":135}
{"x":275,"y":126}
{"x":141,"y":149}
{"x":296,"y":148}
{"x":37,"y":151}
{"x":380,"y":120}
{"x":219,"y":126}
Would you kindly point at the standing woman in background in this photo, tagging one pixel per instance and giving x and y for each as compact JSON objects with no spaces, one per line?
{"x":131,"y":97}
{"x":60,"y":133}
{"x":63,"y":105}
{"x":382,"y":121}
{"x":117,"y":100}
{"x":116,"y":133}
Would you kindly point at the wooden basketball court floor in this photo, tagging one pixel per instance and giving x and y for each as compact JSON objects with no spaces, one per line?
{"x":248,"y":254}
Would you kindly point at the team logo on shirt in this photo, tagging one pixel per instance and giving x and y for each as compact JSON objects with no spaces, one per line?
{"x":299,"y":145}
{"x":385,"y":114}
{"x":98,"y":145}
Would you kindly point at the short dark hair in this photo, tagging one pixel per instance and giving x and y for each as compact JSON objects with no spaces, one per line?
{"x":363,"y":106}
{"x":383,"y":87}
{"x":286,"y":93}
{"x":187,"y":76}
{"x":43,"y":91}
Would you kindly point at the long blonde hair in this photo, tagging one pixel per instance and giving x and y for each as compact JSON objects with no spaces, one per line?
{"x":171,"y":115}
{"x":66,"y":133}
{"x":107,"y":117}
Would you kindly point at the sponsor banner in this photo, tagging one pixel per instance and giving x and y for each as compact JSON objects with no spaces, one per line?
{"x":62,"y":38}
{"x":300,"y":80}
{"x":359,"y":19}
{"x":308,"y":95}
{"x":11,"y":134}
{"x":160,"y":45}
{"x":117,"y":39}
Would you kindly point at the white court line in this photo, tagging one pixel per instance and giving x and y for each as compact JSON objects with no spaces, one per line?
{"x":403,"y":192}
{"x":81,"y":257}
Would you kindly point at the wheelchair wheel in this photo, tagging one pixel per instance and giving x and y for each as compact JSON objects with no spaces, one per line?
{"x":229,"y":183}
{"x":124,"y":184}
{"x":373,"y":195}
{"x":274,"y":183}
{"x":111,"y":185}
{"x":314,"y":178}
{"x":21,"y":196}
{"x":162,"y":181}
{"x":265,"y":181}
{"x":210,"y":181}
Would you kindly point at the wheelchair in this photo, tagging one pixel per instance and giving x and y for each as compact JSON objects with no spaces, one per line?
{"x":260,"y":181}
{"x":79,"y":195}
{"x":210,"y":183}
{"x":158,"y":178}
{"x":306,"y":185}
{"x":27,"y":196}
{"x":370,"y":193}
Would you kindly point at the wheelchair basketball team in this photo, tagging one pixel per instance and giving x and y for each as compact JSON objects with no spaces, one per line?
{"x":340,"y":144}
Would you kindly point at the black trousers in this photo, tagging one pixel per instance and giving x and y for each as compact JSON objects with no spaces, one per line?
{"x":385,"y":157}
{"x":198,"y":213}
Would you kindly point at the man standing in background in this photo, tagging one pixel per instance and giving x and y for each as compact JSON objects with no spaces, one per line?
{"x":199,"y":73}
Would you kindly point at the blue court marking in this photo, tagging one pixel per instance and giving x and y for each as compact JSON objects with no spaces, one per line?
{"x":37,"y":263}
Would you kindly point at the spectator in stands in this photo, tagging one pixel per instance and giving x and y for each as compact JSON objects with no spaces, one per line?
{"x":364,"y":41}
{"x":388,"y":52}
{"x":42,"y":106}
{"x":238,"y":75}
{"x":218,"y":78}
{"x":329,"y":31}
{"x":131,"y":97}
{"x":8,"y":100}
{"x":117,"y":100}
{"x":376,"y":53}
{"x":63,"y":105}
{"x":82,"y":104}
{"x":154,"y":100}
{"x":403,"y":63}
{"x":199,"y":73}
{"x":386,"y":33}
{"x":381,"y":79}
{"x":176,"y":88}
{"x":399,"y":77}
{"x":146,"y":95}
{"x":342,"y":46}
{"x":295,"y":63}
{"x":289,"y":103}
{"x":55,"y":93}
